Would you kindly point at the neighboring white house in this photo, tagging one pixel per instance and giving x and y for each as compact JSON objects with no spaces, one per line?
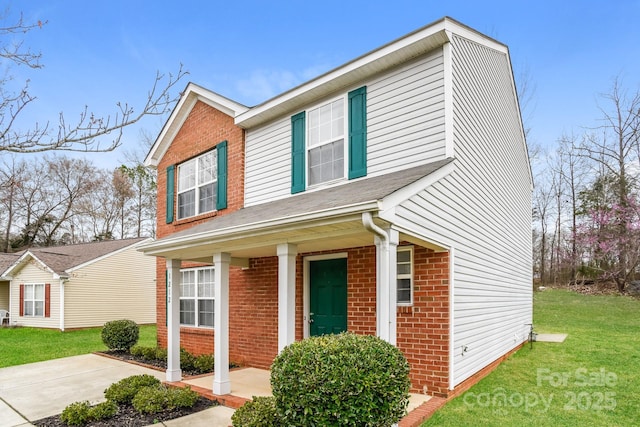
{"x":79,"y":286}
{"x":389,"y":196}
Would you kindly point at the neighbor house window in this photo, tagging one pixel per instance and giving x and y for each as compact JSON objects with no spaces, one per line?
{"x":325,"y":142}
{"x":34,"y":300}
{"x":197,"y":185}
{"x":196,"y":297}
{"x":405,"y":275}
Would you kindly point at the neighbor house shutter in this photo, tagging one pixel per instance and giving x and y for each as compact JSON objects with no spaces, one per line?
{"x":221,"y":201}
{"x":47,"y":300}
{"x":358,"y":133}
{"x":298,"y":153}
{"x":21,"y":300}
{"x":170,"y":196}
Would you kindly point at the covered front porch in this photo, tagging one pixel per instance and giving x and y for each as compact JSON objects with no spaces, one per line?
{"x":250,"y":382}
{"x":290,"y":234}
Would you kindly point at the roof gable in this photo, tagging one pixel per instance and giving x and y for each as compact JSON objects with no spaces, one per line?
{"x":60,"y":260}
{"x":191,"y":95}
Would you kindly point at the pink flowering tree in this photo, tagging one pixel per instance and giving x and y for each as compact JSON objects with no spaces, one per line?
{"x":609,"y":238}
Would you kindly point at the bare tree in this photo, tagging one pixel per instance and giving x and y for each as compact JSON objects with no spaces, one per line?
{"x":87,"y":132}
{"x":12,"y":174}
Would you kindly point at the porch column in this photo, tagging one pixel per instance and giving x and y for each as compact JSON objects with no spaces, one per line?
{"x":221,"y":382}
{"x":286,"y":294}
{"x":174,"y":373}
{"x":386,"y":285}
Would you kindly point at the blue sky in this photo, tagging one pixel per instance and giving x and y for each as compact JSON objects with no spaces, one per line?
{"x":99,"y":53}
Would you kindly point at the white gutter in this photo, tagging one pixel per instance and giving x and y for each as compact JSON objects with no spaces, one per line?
{"x":209,"y":236}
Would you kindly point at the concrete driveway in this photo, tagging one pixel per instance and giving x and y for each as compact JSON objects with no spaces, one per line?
{"x":38,"y":390}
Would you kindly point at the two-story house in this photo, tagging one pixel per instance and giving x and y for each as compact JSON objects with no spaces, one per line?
{"x":389,"y":196}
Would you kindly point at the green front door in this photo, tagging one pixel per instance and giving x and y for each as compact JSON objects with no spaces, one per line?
{"x":328,"y":296}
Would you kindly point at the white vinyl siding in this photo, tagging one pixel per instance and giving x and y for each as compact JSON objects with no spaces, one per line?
{"x":405,"y":116}
{"x":483,"y":210}
{"x":119,"y":286}
{"x":268,"y":162}
{"x":405,"y":128}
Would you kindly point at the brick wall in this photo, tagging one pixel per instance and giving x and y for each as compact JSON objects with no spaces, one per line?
{"x":203,"y":129}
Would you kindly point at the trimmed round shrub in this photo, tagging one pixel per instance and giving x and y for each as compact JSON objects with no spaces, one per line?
{"x":103,"y":411}
{"x":120,"y":334}
{"x":204,"y":363}
{"x":151,"y":400}
{"x":161,"y":353}
{"x":259,"y":412}
{"x":125,"y":390}
{"x":76,"y":414}
{"x":182,"y":397}
{"x":158,"y":398}
{"x":343,"y":379}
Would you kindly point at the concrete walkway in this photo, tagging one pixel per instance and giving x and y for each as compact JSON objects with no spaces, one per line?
{"x":39,"y":390}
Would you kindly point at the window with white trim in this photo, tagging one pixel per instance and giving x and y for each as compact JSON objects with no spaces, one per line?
{"x":405,"y":275}
{"x":34,"y":300}
{"x":196,"y":297}
{"x":325,"y":142}
{"x":197,"y":185}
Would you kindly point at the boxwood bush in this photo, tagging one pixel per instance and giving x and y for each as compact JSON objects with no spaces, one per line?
{"x":259,"y":412}
{"x":158,"y":398}
{"x":81,"y":413}
{"x":125,"y":390}
{"x":120,"y":334}
{"x":343,"y":379}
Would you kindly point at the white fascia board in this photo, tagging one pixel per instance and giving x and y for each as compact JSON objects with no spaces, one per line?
{"x":192,"y":94}
{"x":353,"y":72}
{"x":105,"y":256}
{"x":23,"y":260}
{"x":250,"y":229}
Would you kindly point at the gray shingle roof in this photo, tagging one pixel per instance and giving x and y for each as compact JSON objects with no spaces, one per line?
{"x":351,"y":193}
{"x":6,"y":260}
{"x":62,"y":258}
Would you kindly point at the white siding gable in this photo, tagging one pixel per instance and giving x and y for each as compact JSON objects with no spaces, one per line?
{"x":405,"y":127}
{"x":482,"y":211}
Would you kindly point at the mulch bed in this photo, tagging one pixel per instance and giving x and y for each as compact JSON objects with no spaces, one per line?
{"x":127,"y":416}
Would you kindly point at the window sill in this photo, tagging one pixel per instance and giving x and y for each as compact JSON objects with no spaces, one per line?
{"x":196,"y":218}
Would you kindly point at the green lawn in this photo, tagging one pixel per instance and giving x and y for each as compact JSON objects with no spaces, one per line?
{"x":592,"y":379}
{"x":27,"y":345}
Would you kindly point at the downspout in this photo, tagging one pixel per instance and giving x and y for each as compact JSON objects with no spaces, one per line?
{"x":385,"y":307}
{"x":61,"y":316}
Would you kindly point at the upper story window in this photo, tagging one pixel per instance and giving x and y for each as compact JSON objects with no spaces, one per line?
{"x":325,"y":143}
{"x":197,"y":184}
{"x":329,"y":142}
{"x":405,"y":275}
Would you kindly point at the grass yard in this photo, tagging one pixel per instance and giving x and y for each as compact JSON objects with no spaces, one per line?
{"x":27,"y":345}
{"x":592,"y":379}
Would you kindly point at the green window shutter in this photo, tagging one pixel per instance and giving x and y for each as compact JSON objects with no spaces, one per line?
{"x":358,"y":133}
{"x":170,"y":193}
{"x":221,"y":200}
{"x":298,"y":131}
